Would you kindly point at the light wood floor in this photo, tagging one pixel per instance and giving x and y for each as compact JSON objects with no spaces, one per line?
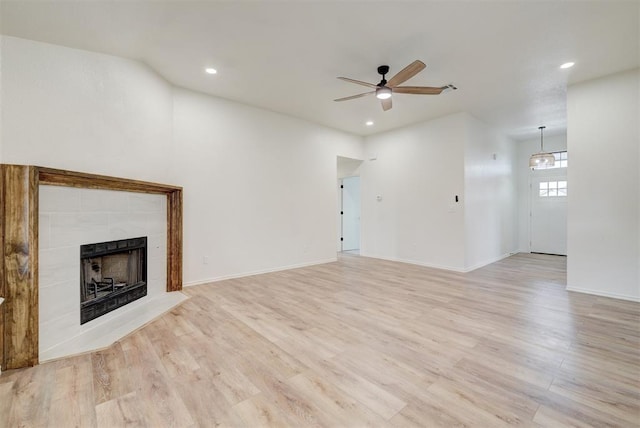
{"x":360,"y":342}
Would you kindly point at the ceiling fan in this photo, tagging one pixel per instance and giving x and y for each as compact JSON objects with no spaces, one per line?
{"x":384,"y":89}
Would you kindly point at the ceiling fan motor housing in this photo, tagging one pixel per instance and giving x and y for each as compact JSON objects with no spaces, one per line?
{"x":383,"y":69}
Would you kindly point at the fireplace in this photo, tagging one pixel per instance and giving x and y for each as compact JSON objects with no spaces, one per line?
{"x":112,"y":274}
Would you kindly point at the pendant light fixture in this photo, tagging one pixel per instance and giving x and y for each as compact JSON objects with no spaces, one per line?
{"x":541,"y":159}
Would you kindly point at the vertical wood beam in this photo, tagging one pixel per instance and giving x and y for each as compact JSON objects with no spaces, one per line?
{"x":3,"y":362}
{"x":19,"y":224}
{"x":174,"y":240}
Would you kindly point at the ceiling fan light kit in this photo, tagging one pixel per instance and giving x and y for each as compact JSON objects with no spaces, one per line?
{"x":541,"y":159}
{"x":384,"y":89}
{"x":383,"y":93}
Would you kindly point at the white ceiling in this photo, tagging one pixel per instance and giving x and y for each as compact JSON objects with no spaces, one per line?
{"x":285,"y":55}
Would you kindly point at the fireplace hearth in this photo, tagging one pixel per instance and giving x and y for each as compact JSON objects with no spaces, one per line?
{"x":112,"y":274}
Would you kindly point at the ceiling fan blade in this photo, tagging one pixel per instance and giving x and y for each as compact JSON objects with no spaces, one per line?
{"x":352,"y":97}
{"x":386,"y":104}
{"x":421,"y":90}
{"x":358,"y":82}
{"x":406,"y":73}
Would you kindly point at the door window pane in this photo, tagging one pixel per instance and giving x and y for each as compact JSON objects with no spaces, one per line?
{"x":552,"y":189}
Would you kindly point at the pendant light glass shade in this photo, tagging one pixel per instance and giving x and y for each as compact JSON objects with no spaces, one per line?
{"x":541,"y":159}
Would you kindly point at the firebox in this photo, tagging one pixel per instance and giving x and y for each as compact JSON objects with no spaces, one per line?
{"x":112,"y":274}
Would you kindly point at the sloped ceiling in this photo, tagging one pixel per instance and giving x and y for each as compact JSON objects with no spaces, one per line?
{"x":285,"y":56}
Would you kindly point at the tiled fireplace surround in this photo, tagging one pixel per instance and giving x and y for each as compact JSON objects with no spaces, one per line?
{"x":70,"y":217}
{"x":61,"y":210}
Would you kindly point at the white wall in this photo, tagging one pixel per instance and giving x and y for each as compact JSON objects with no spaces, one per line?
{"x":72,"y":109}
{"x":525,"y":149}
{"x":418,"y":170}
{"x":603,"y":140}
{"x":490,"y":209}
{"x":259,"y":187}
{"x":348,"y":167}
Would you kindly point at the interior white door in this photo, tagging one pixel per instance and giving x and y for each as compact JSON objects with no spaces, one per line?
{"x":350,"y":213}
{"x":549,"y":214}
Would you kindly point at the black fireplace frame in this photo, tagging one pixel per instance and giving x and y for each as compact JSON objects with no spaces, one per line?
{"x":94,"y":308}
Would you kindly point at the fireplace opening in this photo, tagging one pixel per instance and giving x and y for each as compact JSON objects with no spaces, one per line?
{"x":112,"y":274}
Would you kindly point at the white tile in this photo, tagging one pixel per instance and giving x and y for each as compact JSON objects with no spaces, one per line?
{"x":58,"y":199}
{"x":62,"y":298}
{"x":140,"y":202}
{"x":156,"y":269}
{"x":156,"y":287}
{"x":77,"y":228}
{"x":44,"y":220}
{"x":58,"y":330}
{"x":93,"y":200}
{"x":120,"y":227}
{"x":58,"y":265}
{"x":151,"y":224}
{"x":157,"y":246}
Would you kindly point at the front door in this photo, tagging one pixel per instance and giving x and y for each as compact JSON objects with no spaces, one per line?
{"x":549,"y":213}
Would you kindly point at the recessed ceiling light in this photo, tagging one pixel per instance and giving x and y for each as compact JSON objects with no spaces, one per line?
{"x":211,"y":70}
{"x":369,"y":123}
{"x":567,"y":65}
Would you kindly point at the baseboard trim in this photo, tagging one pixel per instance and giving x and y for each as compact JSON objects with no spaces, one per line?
{"x":604,"y":294}
{"x":435,"y":266}
{"x":485,"y":263}
{"x":258,"y":272}
{"x":413,"y":262}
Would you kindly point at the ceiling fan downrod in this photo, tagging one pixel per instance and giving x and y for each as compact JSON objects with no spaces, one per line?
{"x":383,"y":70}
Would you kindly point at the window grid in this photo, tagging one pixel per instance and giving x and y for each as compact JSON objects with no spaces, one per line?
{"x":562,"y":161}
{"x":549,"y":189}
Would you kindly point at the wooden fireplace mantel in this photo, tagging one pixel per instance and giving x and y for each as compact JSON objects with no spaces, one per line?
{"x":19,"y":186}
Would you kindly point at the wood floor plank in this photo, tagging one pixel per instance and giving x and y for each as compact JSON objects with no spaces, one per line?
{"x":175,"y":358}
{"x":204,"y":401}
{"x":337,"y":407}
{"x":110,"y":374}
{"x":548,"y":417}
{"x":72,"y":402}
{"x":623,"y":407}
{"x":32,"y":393}
{"x":124,"y":411}
{"x":260,"y":411}
{"x":153,"y":384}
{"x":473,"y":409}
{"x":359,"y":342}
{"x":6,"y":399}
{"x":420,"y":413}
{"x":368,"y":393}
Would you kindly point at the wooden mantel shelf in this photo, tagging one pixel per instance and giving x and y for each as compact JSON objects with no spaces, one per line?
{"x":19,"y":186}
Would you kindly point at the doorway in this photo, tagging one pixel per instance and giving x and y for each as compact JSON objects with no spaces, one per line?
{"x":350,"y":214}
{"x":548,"y":215}
{"x":348,"y":204}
